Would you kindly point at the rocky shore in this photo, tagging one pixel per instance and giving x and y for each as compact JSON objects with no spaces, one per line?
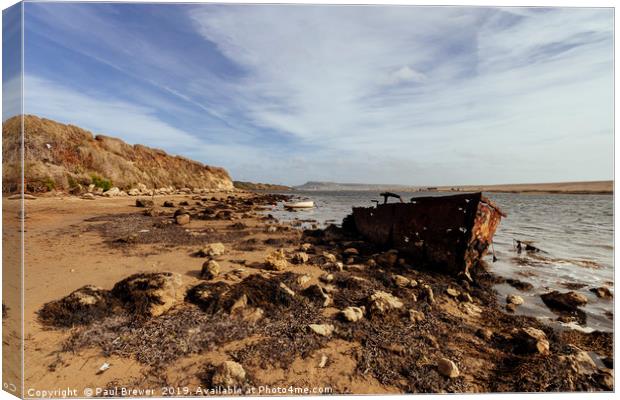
{"x":244,"y":300}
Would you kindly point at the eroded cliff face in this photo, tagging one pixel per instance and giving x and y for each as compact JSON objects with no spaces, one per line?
{"x":66,"y":157}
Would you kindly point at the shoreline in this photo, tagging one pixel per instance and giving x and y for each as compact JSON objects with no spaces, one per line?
{"x":103,"y":241}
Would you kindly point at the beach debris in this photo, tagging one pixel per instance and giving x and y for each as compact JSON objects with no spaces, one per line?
{"x":352,"y":314}
{"x":182,"y":219}
{"x":429,"y":229}
{"x":149,"y":294}
{"x":228,"y":374}
{"x":447,"y":368}
{"x":212,"y":250}
{"x":300,"y":258}
{"x":568,"y":301}
{"x":602,"y":292}
{"x":323,"y":361}
{"x":381,"y":302}
{"x":80,"y":307}
{"x":103,"y":368}
{"x":144,"y":203}
{"x":416,"y":316}
{"x":531,"y":340}
{"x":210,"y":269}
{"x":276,"y":260}
{"x":322,"y":329}
{"x":514,"y":299}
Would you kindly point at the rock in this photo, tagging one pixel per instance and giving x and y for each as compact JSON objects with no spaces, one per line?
{"x":210,"y":270}
{"x":352,"y":314}
{"x":276,"y":260}
{"x":318,"y":294}
{"x":580,"y":361}
{"x":484,"y":333}
{"x":416,"y":316}
{"x":141,"y":187}
{"x":329,"y":257}
{"x":465,"y":297}
{"x":511,"y":307}
{"x":145,"y":203}
{"x":212,"y":250}
{"x":131,"y":192}
{"x":413,"y":283}
{"x":88,"y":196}
{"x":80,"y":307}
{"x":568,"y":301}
{"x":532,"y":340}
{"x":239,"y":305}
{"x":150,"y":294}
{"x":168,"y":204}
{"x":272,"y":229}
{"x":287,"y":290}
{"x":602,"y":292}
{"x":112,"y":192}
{"x":252,"y":315}
{"x":514,"y":299}
{"x":452,"y":292}
{"x":305,"y":247}
{"x":381,"y":302}
{"x":428,"y":293}
{"x":300,"y":258}
{"x":351,"y":251}
{"x":387,"y":259}
{"x":401,"y":281}
{"x":605,"y":379}
{"x":228,"y":374}
{"x":327,"y":278}
{"x":447,"y":368}
{"x":182,"y":219}
{"x":303,"y":279}
{"x":322,"y":329}
{"x":371,"y":263}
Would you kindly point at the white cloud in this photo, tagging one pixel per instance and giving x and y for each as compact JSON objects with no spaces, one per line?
{"x":406,"y":75}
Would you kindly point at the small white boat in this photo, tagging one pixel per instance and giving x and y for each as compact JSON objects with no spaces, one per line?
{"x":300,"y":204}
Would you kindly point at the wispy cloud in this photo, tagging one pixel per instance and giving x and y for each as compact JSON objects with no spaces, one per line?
{"x":417,"y":95}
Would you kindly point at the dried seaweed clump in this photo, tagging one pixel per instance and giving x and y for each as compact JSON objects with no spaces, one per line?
{"x":81,"y":307}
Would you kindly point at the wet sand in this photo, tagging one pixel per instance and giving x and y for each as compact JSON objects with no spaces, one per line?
{"x":72,"y":242}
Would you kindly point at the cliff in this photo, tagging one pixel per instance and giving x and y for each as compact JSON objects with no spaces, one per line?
{"x":259,"y":186}
{"x":66,"y":157}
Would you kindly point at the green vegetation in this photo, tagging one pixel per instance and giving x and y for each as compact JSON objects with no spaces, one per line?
{"x":102,"y":183}
{"x":49,"y":183}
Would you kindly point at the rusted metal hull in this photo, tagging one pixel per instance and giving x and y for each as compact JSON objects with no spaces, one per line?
{"x":451,"y":233}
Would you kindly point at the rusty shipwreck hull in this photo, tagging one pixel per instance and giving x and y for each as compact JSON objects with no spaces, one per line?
{"x":449,"y":233}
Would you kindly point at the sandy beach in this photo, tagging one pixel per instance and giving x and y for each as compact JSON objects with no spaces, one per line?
{"x":290,"y":330}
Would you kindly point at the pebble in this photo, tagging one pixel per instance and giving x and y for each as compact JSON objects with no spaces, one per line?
{"x":452,"y":292}
{"x":514,"y":299}
{"x":323,"y":361}
{"x":182,"y":219}
{"x":213,"y":250}
{"x":300,"y":258}
{"x":484,"y":333}
{"x":416,"y":316}
{"x":428,"y":293}
{"x":401,"y":281}
{"x":382,"y":301}
{"x":228,"y":374}
{"x":322,"y":329}
{"x":210,"y":270}
{"x":602,"y":292}
{"x":352,"y":314}
{"x":447,"y":368}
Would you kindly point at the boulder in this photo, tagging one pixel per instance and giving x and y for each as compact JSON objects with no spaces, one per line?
{"x":602,"y":292}
{"x":276,"y":260}
{"x":149,"y":294}
{"x":447,"y":368}
{"x":531,"y":340}
{"x":210,"y":270}
{"x":300,"y":258}
{"x":212,"y":250}
{"x":182,"y":219}
{"x":228,"y":374}
{"x":322,"y":329}
{"x":568,"y":301}
{"x":381,"y":302}
{"x":514,"y":299}
{"x":352,"y":314}
{"x":112,"y":192}
{"x":145,"y":203}
{"x":80,"y":307}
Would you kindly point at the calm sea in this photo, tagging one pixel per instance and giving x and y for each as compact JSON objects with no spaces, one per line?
{"x":575,"y":233}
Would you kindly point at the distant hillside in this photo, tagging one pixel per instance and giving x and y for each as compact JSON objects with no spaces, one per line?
{"x":66,"y":157}
{"x":259,"y":186}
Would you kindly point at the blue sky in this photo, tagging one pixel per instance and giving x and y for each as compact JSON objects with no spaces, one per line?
{"x":285,"y":94}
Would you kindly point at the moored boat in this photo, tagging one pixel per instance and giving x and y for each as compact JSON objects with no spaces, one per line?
{"x":449,"y":233}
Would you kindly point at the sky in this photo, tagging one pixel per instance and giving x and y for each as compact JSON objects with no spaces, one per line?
{"x":361,"y":94}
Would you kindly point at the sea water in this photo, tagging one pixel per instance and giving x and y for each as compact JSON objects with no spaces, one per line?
{"x":574,"y":233}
